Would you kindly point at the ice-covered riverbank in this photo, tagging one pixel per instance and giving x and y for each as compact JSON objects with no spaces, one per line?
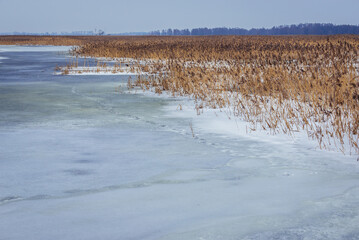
{"x":82,"y":157}
{"x":259,"y":115}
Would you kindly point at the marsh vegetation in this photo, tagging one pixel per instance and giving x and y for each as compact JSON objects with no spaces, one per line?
{"x":281,"y":84}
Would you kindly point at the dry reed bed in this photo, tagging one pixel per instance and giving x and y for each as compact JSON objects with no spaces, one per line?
{"x":41,"y":40}
{"x":280,"y":84}
{"x":59,"y":40}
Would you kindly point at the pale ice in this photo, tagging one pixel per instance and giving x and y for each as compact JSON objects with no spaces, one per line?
{"x":82,"y":157}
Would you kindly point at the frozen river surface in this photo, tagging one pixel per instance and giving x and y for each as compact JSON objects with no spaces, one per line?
{"x":83,"y":158}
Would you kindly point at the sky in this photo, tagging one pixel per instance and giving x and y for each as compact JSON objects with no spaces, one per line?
{"x":119,"y":16}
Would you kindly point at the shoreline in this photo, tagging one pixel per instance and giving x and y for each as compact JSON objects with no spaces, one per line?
{"x":108,"y":70}
{"x":223,"y":124}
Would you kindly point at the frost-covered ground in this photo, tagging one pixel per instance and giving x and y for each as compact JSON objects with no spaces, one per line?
{"x":84,"y":158}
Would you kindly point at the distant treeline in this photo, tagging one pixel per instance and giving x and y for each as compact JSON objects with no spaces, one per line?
{"x":300,"y":29}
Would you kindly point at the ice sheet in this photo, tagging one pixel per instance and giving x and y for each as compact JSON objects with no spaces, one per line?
{"x":30,"y":48}
{"x":82,"y":157}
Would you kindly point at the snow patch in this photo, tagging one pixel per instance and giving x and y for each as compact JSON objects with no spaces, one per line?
{"x":2,"y":58}
{"x":97,"y":71}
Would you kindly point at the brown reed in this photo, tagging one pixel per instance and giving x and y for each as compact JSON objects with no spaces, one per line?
{"x":281,"y":84}
{"x":277,"y":83}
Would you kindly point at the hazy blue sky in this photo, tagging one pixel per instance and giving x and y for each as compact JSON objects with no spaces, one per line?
{"x":140,"y":15}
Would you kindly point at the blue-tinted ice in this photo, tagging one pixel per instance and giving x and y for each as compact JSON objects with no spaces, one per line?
{"x":81,"y":157}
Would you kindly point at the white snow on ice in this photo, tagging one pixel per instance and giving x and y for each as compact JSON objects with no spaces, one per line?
{"x":93,"y":70}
